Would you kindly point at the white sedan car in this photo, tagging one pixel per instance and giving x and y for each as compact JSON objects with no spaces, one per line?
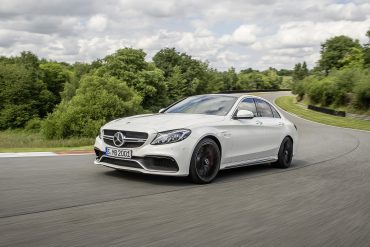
{"x":199,"y":136}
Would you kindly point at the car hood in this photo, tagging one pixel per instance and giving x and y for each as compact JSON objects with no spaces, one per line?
{"x":161,"y":122}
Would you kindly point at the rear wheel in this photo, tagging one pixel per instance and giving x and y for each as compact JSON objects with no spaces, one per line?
{"x":205,"y":162}
{"x":285,"y":154}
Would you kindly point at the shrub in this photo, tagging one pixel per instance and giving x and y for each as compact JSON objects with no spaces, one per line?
{"x":97,"y":101}
{"x":362,"y":91}
{"x":33,"y":125}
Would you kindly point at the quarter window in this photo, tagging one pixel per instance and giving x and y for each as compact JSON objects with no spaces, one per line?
{"x":263,"y":108}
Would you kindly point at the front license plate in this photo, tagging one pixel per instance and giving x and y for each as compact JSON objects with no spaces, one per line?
{"x":120,"y":153}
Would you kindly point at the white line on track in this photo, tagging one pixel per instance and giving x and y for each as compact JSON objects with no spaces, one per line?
{"x":27,"y":154}
{"x":39,"y":154}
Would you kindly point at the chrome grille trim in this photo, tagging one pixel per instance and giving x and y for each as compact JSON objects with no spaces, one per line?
{"x":134,"y":139}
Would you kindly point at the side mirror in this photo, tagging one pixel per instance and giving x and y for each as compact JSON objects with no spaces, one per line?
{"x":244,"y":114}
{"x":162,"y":110}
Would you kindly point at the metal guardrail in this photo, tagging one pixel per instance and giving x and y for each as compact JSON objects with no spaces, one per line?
{"x":327,"y":111}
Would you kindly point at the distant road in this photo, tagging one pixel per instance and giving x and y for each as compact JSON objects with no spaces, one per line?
{"x":323,"y":200}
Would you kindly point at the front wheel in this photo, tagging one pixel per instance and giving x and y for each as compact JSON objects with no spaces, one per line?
{"x":205,"y":162}
{"x":285,"y":154}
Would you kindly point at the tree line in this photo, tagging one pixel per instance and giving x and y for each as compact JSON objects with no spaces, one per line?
{"x":340,"y":78}
{"x":63,"y":100}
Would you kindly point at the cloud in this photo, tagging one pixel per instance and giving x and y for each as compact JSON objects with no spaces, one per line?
{"x":239,"y":33}
{"x":97,"y":23}
{"x":243,"y":35}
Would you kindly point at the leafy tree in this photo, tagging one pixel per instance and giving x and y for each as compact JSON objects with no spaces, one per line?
{"x":300,"y":71}
{"x":272,"y":80}
{"x":22,"y":96}
{"x":80,"y":69}
{"x":362,"y":91}
{"x":367,"y":51}
{"x":167,"y":59}
{"x":29,"y":60}
{"x":334,"y":50}
{"x":285,"y":72}
{"x":55,"y":75}
{"x":98,"y":100}
{"x":230,"y":79}
{"x":124,"y":64}
{"x":152,"y":87}
{"x":129,"y":66}
{"x":354,"y":58}
{"x":176,"y":85}
{"x":194,"y":72}
{"x":214,"y":81}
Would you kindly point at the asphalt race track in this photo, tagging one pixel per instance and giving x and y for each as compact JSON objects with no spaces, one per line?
{"x":323,"y":200}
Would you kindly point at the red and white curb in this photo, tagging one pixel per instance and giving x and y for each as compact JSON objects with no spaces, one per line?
{"x":44,"y":154}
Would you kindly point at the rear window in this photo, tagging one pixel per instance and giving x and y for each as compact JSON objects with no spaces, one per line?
{"x":274,"y":111}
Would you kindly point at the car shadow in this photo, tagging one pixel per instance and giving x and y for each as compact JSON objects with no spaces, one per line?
{"x":254,"y":171}
{"x":223,"y":176}
{"x":148,"y":178}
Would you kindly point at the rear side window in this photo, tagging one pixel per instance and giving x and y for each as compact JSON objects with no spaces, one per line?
{"x":263,"y":108}
{"x":249,"y":105}
{"x":274,"y":111}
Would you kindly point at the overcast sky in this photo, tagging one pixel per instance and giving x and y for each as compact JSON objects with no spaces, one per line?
{"x":249,"y":33}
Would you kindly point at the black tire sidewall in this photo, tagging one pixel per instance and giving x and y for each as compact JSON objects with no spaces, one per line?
{"x":193,"y":174}
{"x":281,"y":163}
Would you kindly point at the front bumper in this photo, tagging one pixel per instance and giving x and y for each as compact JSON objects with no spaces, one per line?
{"x":169,"y":159}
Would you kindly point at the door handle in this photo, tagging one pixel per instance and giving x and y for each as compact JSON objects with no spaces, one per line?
{"x":280,"y":124}
{"x":258,"y":122}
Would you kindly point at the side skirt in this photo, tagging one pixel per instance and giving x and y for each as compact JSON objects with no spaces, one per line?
{"x":249,"y":163}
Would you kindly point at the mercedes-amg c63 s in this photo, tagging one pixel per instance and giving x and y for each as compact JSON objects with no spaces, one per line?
{"x":198,"y":136}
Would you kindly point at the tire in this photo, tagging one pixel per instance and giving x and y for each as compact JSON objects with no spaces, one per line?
{"x":205,"y":162}
{"x":285,"y":154}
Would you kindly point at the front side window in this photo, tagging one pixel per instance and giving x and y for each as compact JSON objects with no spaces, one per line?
{"x":263,"y":108}
{"x":249,"y":105}
{"x":204,"y":104}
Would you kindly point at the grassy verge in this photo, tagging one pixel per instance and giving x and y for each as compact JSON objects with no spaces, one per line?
{"x":288,"y":103}
{"x":21,"y":141}
{"x":348,"y":109}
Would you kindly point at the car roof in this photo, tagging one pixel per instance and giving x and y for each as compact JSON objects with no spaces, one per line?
{"x":236,"y":95}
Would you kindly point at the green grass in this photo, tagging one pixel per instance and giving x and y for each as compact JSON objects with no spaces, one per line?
{"x":22,"y":141}
{"x":288,"y":103}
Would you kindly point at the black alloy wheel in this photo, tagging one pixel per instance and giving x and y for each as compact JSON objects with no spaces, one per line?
{"x":285,"y":154}
{"x":205,"y":162}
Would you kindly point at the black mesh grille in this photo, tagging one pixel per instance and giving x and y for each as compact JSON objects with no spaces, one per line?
{"x":119,"y":162}
{"x":160,"y":163}
{"x":128,"y":134}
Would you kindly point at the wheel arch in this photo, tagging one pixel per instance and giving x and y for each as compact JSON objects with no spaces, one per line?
{"x":214,"y":138}
{"x":291,"y":138}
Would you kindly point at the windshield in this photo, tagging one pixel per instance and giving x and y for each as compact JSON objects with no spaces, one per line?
{"x":204,"y":104}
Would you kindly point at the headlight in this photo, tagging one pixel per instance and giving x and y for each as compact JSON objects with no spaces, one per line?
{"x":171,"y":136}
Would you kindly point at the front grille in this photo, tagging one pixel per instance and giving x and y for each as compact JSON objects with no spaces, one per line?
{"x":119,"y":162}
{"x":128,"y":134}
{"x":126,"y":145}
{"x":132,"y":139}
